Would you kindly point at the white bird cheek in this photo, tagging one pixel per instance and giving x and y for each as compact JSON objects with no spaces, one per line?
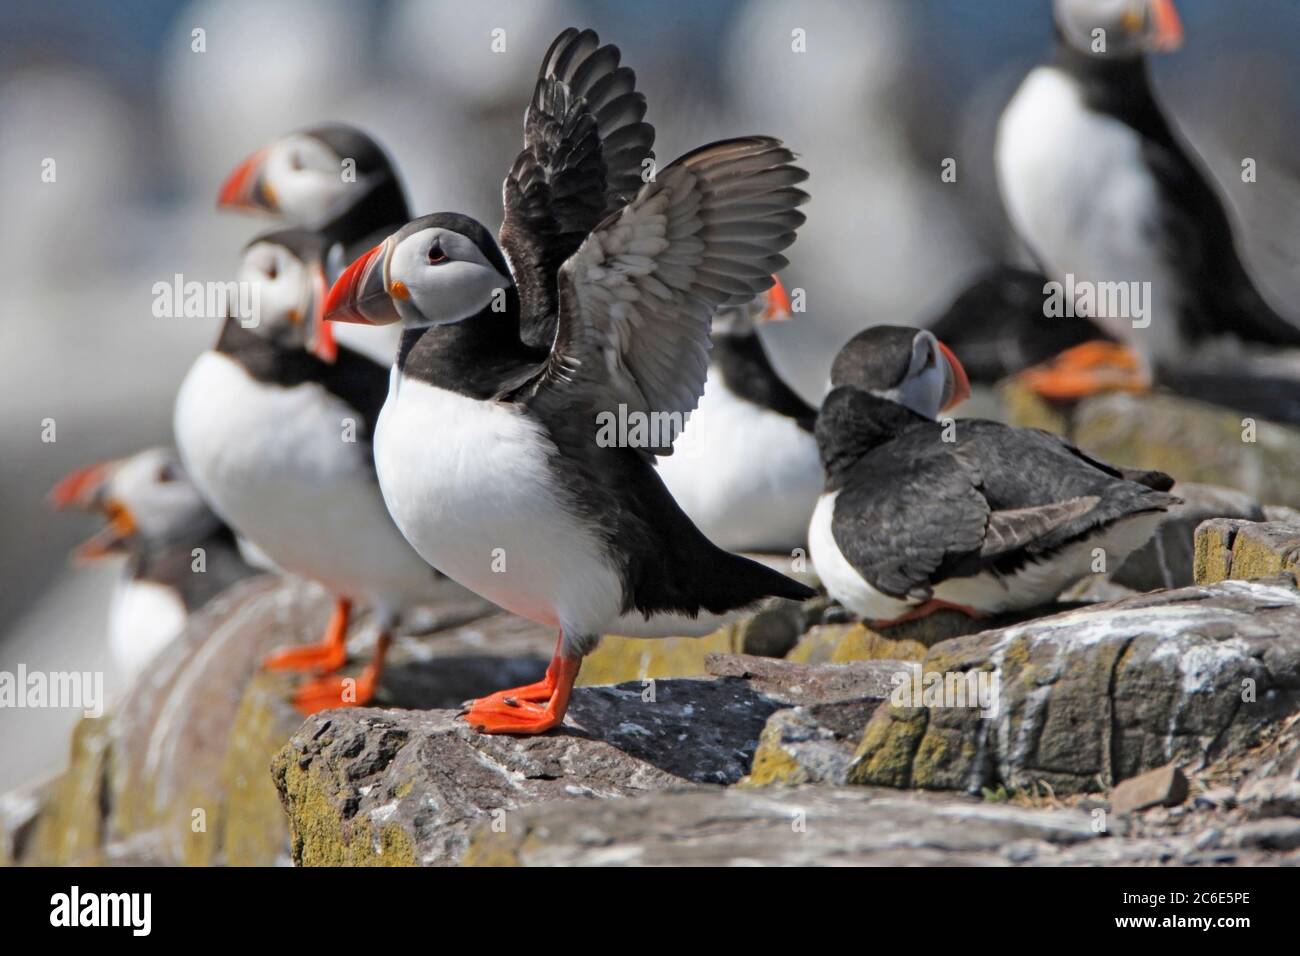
{"x":455,"y":290}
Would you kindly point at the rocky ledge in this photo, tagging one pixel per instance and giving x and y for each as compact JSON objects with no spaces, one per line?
{"x":1153,"y":729}
{"x":1156,"y":727}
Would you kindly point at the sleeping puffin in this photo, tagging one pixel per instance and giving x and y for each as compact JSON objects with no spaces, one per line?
{"x":1106,"y":195}
{"x":274,"y":424}
{"x":178,"y":553}
{"x":920,"y":515}
{"x":490,"y":450}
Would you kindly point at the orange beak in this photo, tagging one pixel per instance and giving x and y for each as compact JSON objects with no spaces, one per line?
{"x":778,"y":303}
{"x":360,"y":294}
{"x":240,"y":190}
{"x":322,"y":343}
{"x":960,"y":383}
{"x":1168,"y":33}
{"x":80,"y":489}
{"x":109,"y":539}
{"x":84,"y":491}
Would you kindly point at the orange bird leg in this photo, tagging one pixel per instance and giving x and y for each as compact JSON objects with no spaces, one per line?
{"x":925,"y":610}
{"x":1088,"y":369}
{"x":498,"y":714}
{"x":326,"y":693}
{"x":329,"y":655}
{"x":537,"y":692}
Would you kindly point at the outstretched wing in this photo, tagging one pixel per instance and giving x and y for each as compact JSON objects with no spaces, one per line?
{"x":637,"y":297}
{"x":585,"y":148}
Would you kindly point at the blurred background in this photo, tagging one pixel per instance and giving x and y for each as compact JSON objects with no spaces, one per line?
{"x":143,"y":129}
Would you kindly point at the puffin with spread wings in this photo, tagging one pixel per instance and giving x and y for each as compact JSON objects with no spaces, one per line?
{"x":597,"y":300}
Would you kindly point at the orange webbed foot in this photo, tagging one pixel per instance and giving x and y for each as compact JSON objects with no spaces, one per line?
{"x":324,"y":657}
{"x":532,"y":709}
{"x":510,"y":715}
{"x":327,"y":656}
{"x":1088,"y":369}
{"x":326,"y":693}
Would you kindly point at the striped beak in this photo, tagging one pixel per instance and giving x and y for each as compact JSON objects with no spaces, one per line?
{"x":957,"y":384}
{"x":245,"y":189}
{"x":361,"y":293}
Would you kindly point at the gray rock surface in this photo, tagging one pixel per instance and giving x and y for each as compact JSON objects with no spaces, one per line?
{"x":1091,"y":697}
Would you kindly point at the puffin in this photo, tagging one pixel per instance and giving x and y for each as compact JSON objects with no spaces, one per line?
{"x":178,"y":553}
{"x":496,"y":456}
{"x":1101,"y":188}
{"x":274,"y":425}
{"x":920,"y":515}
{"x":336,"y":180}
{"x":746,"y":469}
{"x":996,"y":328}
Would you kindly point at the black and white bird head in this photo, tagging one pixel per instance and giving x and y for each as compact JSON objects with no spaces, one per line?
{"x":1131,"y":27}
{"x":309,"y":176}
{"x":435,"y":270}
{"x":284,"y":269}
{"x":903,"y":365}
{"x":146,"y":499}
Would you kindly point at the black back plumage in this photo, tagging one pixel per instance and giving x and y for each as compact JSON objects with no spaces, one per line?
{"x":1192,"y":228}
{"x":585,"y":146}
{"x":915,"y":509}
{"x":354,"y":378}
{"x":743,"y":365}
{"x":172,"y":564}
{"x":996,"y":326}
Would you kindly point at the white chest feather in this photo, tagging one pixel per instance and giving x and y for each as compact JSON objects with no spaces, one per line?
{"x":472,"y":486}
{"x":746,"y":476}
{"x":144,"y":618}
{"x":1078,"y":192}
{"x":841,"y":580}
{"x":278,"y":465}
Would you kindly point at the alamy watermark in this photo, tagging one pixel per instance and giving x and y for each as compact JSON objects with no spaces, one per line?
{"x":974,"y":688}
{"x":637,"y":429}
{"x":80,"y":690}
{"x":1098,"y":300}
{"x":180,"y":299}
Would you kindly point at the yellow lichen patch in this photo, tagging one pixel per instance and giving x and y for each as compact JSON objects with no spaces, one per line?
{"x":487,"y":847}
{"x":254,"y":829}
{"x":889,"y":744}
{"x":69,"y":830}
{"x":619,"y":659}
{"x":321,"y":838}
{"x":1253,"y":558}
{"x":1212,"y":561}
{"x":772,"y":763}
{"x":838,"y":644}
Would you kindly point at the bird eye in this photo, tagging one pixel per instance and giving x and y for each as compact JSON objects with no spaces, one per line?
{"x":295,"y":161}
{"x":436,"y":255}
{"x":166,"y":475}
{"x":272,"y":271}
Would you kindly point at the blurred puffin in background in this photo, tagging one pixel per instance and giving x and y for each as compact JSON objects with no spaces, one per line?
{"x":337,"y":181}
{"x":178,"y":553}
{"x":745,"y":470}
{"x":274,"y":424}
{"x":996,"y":326}
{"x":971,"y":515}
{"x":1100,"y":187}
